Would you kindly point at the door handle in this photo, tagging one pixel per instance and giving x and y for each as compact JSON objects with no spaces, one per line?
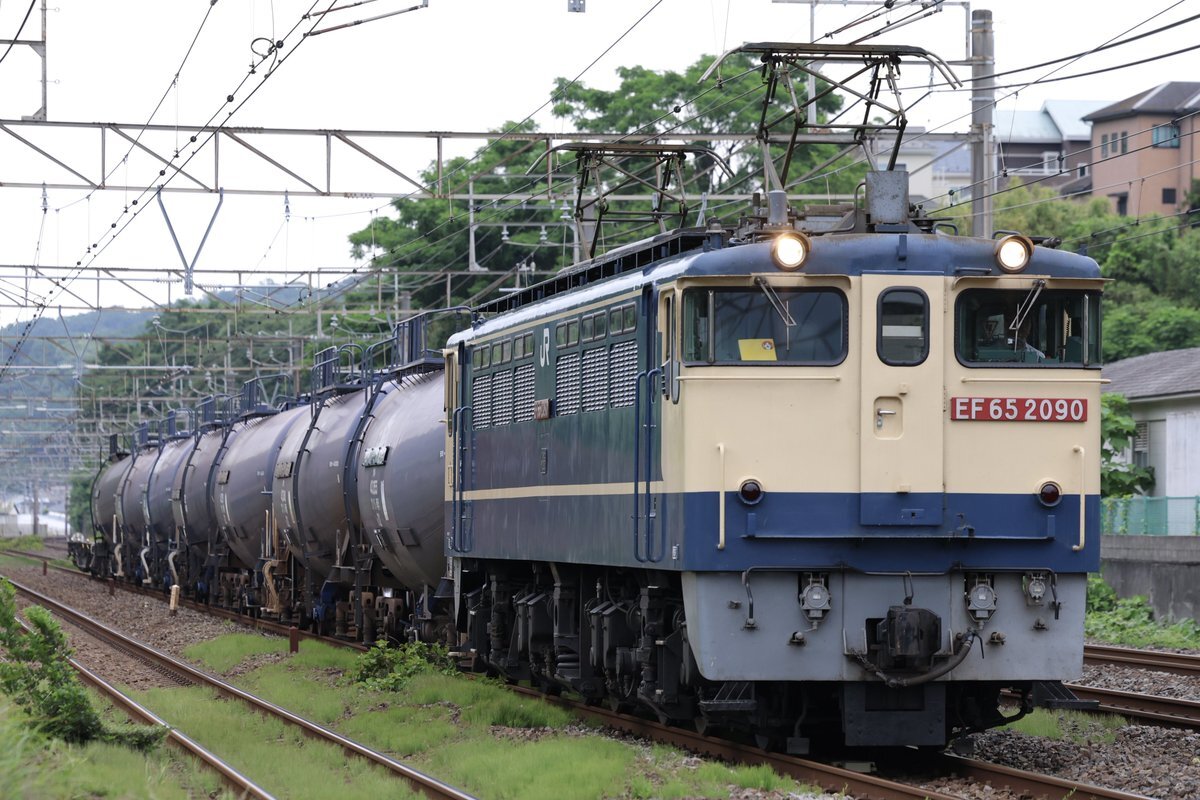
{"x":880,"y":413}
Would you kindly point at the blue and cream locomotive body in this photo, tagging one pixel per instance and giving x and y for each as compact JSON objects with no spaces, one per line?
{"x":780,"y":476}
{"x":841,"y":490}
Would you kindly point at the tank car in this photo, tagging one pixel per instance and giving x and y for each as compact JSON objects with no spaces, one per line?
{"x":784,"y":479}
{"x":131,"y":507}
{"x":243,"y":503}
{"x":99,"y":559}
{"x":162,"y":541}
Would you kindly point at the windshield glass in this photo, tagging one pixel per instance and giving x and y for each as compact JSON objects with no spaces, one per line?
{"x":1028,"y":327}
{"x":763,"y":326}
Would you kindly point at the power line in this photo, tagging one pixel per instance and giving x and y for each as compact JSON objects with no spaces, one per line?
{"x":28,"y":11}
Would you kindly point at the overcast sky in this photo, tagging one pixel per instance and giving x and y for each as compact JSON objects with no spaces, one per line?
{"x":455,"y":65}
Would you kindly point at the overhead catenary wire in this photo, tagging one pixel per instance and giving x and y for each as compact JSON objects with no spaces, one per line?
{"x":1074,"y":56}
{"x":1022,"y":87}
{"x":1092,"y":163}
{"x":28,"y":11}
{"x":100,"y":246}
{"x":114,"y":231}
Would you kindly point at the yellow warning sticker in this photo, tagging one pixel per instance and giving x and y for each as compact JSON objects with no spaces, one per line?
{"x":757,"y":349}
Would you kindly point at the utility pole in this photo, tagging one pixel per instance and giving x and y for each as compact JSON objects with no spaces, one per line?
{"x":983,"y":100}
{"x":36,"y":503}
{"x":39,"y":48}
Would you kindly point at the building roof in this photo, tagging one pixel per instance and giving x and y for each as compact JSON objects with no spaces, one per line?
{"x":1057,"y":121}
{"x":1166,"y":98}
{"x":1023,"y":126}
{"x":1172,"y":372}
{"x":1068,"y":116}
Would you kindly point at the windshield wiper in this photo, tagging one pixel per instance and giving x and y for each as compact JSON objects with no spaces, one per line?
{"x":775,"y":302}
{"x":1026,"y":305}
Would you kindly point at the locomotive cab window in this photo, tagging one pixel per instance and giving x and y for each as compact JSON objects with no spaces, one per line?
{"x":1033,"y":327}
{"x":903,"y":336}
{"x":764,"y":325}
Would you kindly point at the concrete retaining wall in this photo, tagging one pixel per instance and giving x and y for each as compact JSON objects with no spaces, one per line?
{"x":1166,"y":569}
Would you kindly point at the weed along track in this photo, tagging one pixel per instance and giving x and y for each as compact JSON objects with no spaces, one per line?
{"x":335,"y":743}
{"x":240,"y":783}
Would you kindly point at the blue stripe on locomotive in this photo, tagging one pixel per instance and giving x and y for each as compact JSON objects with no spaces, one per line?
{"x":800,"y":530}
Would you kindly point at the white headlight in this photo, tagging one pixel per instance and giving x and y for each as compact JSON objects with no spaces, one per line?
{"x":790,"y":250}
{"x":1013,"y":253}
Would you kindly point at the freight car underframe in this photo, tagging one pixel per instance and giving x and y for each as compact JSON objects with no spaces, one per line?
{"x":916,"y":675}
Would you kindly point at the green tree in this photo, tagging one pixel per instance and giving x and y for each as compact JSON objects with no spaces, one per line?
{"x":647,"y":102}
{"x":509,"y":237}
{"x":1149,"y":326}
{"x":1119,"y":478}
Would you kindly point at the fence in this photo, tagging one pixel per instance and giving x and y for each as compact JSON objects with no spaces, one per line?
{"x":1150,"y":516}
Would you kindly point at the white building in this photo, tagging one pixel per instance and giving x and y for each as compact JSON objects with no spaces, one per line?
{"x":1163,"y":390}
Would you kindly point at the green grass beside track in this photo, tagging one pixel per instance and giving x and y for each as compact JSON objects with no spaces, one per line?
{"x":472,"y":733}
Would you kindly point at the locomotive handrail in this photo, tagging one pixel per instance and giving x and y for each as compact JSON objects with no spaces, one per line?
{"x":1082,"y":498}
{"x":758,"y":376}
{"x":721,"y":498}
{"x":646,"y":377}
{"x":459,"y":537}
{"x":1020,"y":378}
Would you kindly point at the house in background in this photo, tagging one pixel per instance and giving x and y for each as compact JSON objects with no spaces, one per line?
{"x":1163,"y":390}
{"x":1051,"y":145}
{"x":1144,"y":156}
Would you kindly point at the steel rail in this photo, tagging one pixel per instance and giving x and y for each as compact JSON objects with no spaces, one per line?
{"x":417,"y":780}
{"x":1108,"y":655}
{"x":139,"y":713}
{"x":833,"y":778}
{"x":1158,"y":709}
{"x":827,"y":776}
{"x":242,"y":784}
{"x":1030,"y":784}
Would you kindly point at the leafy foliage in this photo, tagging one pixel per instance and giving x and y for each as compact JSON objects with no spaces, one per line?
{"x":1119,"y":478}
{"x":1101,"y":598}
{"x":1130,"y":621}
{"x":387,"y":668}
{"x":39,"y":678}
{"x":1154,"y":302}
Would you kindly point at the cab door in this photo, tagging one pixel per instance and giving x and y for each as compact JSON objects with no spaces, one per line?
{"x":901,"y":459}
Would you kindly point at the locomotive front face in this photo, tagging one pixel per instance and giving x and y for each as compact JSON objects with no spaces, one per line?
{"x":879,"y":475}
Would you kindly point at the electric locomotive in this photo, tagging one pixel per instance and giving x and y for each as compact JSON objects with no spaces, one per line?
{"x":758,"y":478}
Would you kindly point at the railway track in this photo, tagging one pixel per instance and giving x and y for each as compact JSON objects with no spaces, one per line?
{"x":240,"y":783}
{"x":417,"y":780}
{"x":1175,"y":663}
{"x":1155,"y":709}
{"x":829,"y":776}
